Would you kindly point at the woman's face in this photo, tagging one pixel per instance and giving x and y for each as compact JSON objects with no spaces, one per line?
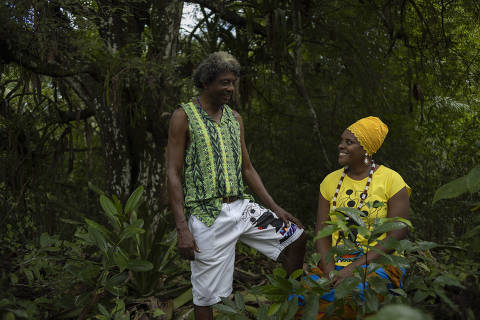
{"x":350,"y":151}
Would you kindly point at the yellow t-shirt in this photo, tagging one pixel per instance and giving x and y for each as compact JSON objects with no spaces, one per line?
{"x":385,"y":184}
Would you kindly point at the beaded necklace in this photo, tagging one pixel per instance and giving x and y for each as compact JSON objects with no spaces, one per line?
{"x":363,"y":196}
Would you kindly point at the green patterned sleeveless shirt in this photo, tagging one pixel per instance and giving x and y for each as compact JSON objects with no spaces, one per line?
{"x":213,"y":163}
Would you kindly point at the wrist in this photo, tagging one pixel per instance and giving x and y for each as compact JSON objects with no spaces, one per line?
{"x":182,"y":227}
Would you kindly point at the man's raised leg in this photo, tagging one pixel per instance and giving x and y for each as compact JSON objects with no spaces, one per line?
{"x":293,"y":255}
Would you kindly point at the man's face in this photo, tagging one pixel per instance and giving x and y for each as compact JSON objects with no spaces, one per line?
{"x":221,"y":89}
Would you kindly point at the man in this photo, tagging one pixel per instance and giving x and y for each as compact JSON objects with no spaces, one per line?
{"x":207,"y":163}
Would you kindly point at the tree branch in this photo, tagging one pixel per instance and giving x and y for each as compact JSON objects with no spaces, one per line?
{"x":220,"y":10}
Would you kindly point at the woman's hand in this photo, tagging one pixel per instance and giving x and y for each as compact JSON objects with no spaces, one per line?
{"x":341,"y":275}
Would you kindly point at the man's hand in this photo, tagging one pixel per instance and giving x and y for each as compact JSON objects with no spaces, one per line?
{"x":186,"y":244}
{"x":286,"y":217}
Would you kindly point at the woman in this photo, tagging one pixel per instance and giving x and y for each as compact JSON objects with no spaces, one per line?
{"x":360,"y":181}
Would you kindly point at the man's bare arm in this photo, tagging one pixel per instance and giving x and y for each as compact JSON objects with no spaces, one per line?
{"x":177,"y":134}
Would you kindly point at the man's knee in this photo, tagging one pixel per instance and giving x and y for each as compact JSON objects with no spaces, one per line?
{"x":300,"y":243}
{"x":296,"y":248}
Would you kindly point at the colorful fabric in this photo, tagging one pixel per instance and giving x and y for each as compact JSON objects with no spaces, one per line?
{"x":393,"y":275}
{"x":370,"y":132}
{"x":213,"y":163}
{"x":385,"y":184}
{"x":244,"y":220}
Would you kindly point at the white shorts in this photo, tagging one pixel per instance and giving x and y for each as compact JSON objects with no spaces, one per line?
{"x":244,"y":220}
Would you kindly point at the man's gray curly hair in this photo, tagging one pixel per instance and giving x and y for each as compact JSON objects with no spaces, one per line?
{"x":213,"y":65}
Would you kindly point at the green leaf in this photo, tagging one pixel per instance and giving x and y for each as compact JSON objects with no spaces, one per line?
{"x":225,"y":309}
{"x":427,"y":245}
{"x":274,"y":308}
{"x":398,"y":312}
{"x":118,"y":279}
{"x":110,"y":211}
{"x":353,"y":214}
{"x":139,"y":265}
{"x":95,"y":189}
{"x":420,"y":295}
{"x":70,"y":221}
{"x":182,"y":299}
{"x":326,"y":231}
{"x":98,"y":238}
{"x":441,"y":293}
{"x":262,"y":313}
{"x":346,"y":287}
{"x":451,"y":190}
{"x":310,"y":310}
{"x":130,"y":231}
{"x":239,"y":302}
{"x":444,"y":280}
{"x":279,"y":272}
{"x":45,"y":240}
{"x":119,"y":306}
{"x":228,"y":302}
{"x":103,"y":310}
{"x":371,"y":300}
{"x":387,"y":227}
{"x":158,"y":312}
{"x":473,"y":180}
{"x":134,"y":200}
{"x":400,"y":292}
{"x":101,"y":229}
{"x":472,"y":232}
{"x":296,"y":274}
{"x":10,"y":316}
{"x":120,"y":259}
{"x":378,"y":285}
{"x":292,"y":308}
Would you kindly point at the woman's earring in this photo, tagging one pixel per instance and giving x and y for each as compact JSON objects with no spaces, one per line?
{"x":366,"y":158}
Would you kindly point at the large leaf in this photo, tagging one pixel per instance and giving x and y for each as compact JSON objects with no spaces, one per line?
{"x":451,"y":190}
{"x":130,"y":231}
{"x":346,"y":287}
{"x":326,"y":231}
{"x":110,"y":211}
{"x":387,"y":227}
{"x":104,"y":231}
{"x":371,"y":300}
{"x":182,"y":299}
{"x":134,"y":200}
{"x":353,"y":214}
{"x":120,"y":259}
{"x":139,"y":265}
{"x":98,"y":238}
{"x":225,"y":309}
{"x":310,"y":310}
{"x":292,"y":308}
{"x":473,"y":180}
{"x":274,"y":308}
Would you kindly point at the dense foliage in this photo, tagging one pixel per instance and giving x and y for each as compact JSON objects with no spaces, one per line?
{"x":86,"y":91}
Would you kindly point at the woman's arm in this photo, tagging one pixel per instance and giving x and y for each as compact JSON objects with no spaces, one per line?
{"x":323,"y":244}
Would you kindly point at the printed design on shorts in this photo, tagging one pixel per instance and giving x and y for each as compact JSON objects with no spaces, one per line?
{"x":261,"y":218}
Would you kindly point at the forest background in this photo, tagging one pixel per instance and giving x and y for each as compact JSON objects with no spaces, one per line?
{"x":87,"y":89}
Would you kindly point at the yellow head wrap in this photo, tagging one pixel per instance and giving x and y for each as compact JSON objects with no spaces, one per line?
{"x":370,"y":132}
